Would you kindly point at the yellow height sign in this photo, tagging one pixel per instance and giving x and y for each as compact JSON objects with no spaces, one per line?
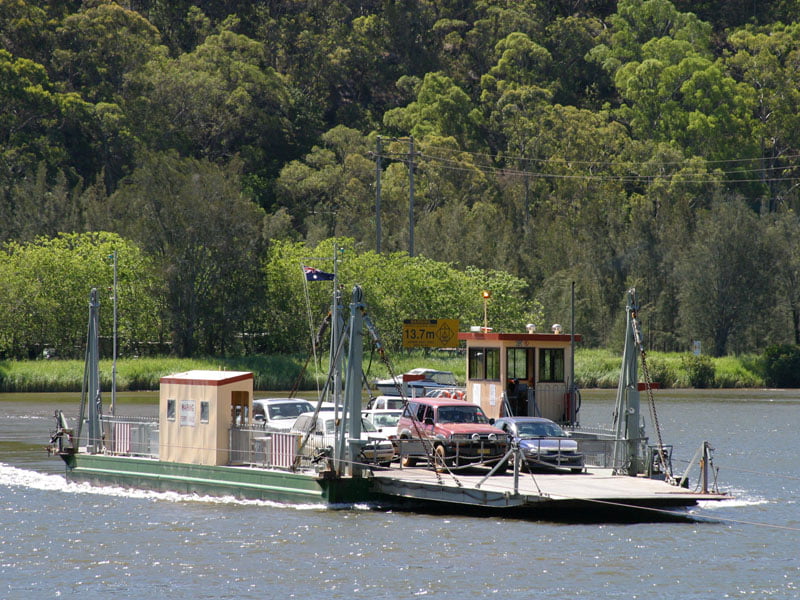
{"x":430,"y":333}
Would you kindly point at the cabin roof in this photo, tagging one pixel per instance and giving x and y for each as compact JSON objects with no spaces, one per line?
{"x":202,"y":377}
{"x":513,"y":337}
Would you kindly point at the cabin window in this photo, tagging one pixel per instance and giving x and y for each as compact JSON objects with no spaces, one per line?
{"x":484,"y":363}
{"x":204,"y":412}
{"x":171,"y":409}
{"x":493,"y":363}
{"x":476,"y":358}
{"x":551,"y":364}
{"x":517,"y":363}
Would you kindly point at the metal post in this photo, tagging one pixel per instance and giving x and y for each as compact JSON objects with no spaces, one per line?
{"x":336,"y":359}
{"x":626,"y":412}
{"x":411,"y":195}
{"x":705,"y":467}
{"x":114,"y":343}
{"x":94,"y":440}
{"x":573,"y":412}
{"x":352,"y":395}
{"x":378,"y":151}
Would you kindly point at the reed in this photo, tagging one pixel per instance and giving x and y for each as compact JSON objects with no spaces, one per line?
{"x":594,"y":368}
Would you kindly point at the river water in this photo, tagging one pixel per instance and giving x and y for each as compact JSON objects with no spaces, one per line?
{"x":64,"y":540}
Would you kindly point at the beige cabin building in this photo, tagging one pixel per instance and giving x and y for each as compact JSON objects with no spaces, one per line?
{"x":196,"y":412}
{"x":524,"y":374}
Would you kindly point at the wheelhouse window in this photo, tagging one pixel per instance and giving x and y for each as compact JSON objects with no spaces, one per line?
{"x":517,"y":363}
{"x":551,"y":364}
{"x":204,"y":412}
{"x":484,"y":363}
{"x":171,"y":409}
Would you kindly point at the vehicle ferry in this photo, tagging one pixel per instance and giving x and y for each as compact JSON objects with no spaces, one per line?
{"x":205,"y":441}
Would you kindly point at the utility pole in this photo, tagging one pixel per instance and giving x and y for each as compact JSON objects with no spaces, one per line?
{"x":378,"y":195}
{"x":411,"y":195}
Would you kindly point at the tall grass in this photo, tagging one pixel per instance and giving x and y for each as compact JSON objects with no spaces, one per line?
{"x":593,"y":369}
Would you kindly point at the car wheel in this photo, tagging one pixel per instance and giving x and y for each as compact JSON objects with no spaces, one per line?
{"x":408,"y":461}
{"x":577,"y":470}
{"x":439,"y":458}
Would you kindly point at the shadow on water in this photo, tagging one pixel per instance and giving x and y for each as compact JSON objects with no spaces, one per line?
{"x":610,"y":513}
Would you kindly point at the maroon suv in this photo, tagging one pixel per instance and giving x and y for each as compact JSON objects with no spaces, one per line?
{"x":459,"y":432}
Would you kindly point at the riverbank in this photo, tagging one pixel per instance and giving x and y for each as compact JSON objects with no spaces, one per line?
{"x":593,"y":369}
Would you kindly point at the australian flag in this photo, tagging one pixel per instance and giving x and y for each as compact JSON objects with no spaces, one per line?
{"x":313,"y":274}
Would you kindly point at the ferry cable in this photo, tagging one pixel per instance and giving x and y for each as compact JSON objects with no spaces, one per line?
{"x":637,"y":334}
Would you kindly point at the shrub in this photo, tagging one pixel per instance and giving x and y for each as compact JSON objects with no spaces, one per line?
{"x":782,"y":365}
{"x":701,"y":370}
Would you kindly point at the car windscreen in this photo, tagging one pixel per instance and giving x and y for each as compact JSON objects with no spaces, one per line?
{"x":533,"y":429}
{"x":288,"y":410}
{"x":461,"y":414}
{"x":385,"y":419}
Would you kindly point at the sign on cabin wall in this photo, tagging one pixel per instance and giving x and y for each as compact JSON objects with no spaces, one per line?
{"x":430,"y":333}
{"x":188,"y":413}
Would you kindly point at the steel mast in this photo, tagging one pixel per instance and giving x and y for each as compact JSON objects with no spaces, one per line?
{"x":94,"y":441}
{"x":627,"y":421}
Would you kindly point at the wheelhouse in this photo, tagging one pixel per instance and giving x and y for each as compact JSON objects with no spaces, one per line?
{"x":521,"y":374}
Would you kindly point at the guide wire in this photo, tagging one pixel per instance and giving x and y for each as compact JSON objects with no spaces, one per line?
{"x":637,"y":334}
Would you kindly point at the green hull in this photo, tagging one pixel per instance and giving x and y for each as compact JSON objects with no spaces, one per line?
{"x":239,"y":482}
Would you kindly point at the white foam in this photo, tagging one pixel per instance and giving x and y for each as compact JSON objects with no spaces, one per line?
{"x":731,"y":503}
{"x":16,"y":477}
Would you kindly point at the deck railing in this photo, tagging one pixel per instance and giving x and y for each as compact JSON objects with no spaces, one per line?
{"x":258,"y":447}
{"x":131,"y":436}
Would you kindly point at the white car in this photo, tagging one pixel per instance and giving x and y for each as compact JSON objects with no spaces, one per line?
{"x":378,"y":448}
{"x":384,"y":420}
{"x":386,"y":402}
{"x":279,"y":414}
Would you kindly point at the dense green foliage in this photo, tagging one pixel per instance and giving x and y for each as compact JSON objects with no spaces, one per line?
{"x":782,"y":365}
{"x":641,"y":143}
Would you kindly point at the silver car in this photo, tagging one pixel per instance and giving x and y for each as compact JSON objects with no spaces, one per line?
{"x":544,"y":445}
{"x":378,"y":449}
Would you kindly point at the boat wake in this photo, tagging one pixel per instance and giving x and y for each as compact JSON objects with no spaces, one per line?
{"x":23,"y":478}
{"x":732,"y":503}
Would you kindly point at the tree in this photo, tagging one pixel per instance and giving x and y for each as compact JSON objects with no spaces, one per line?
{"x":441,"y":109}
{"x":785,"y":270}
{"x":24,"y":30}
{"x":45,"y":290}
{"x":722,"y":279}
{"x":37,"y":207}
{"x":100,"y":46}
{"x":329,"y":192}
{"x":205,"y":238}
{"x":38,"y":123}
{"x":220,"y":100}
{"x":766,"y":62}
{"x":396,"y":287}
